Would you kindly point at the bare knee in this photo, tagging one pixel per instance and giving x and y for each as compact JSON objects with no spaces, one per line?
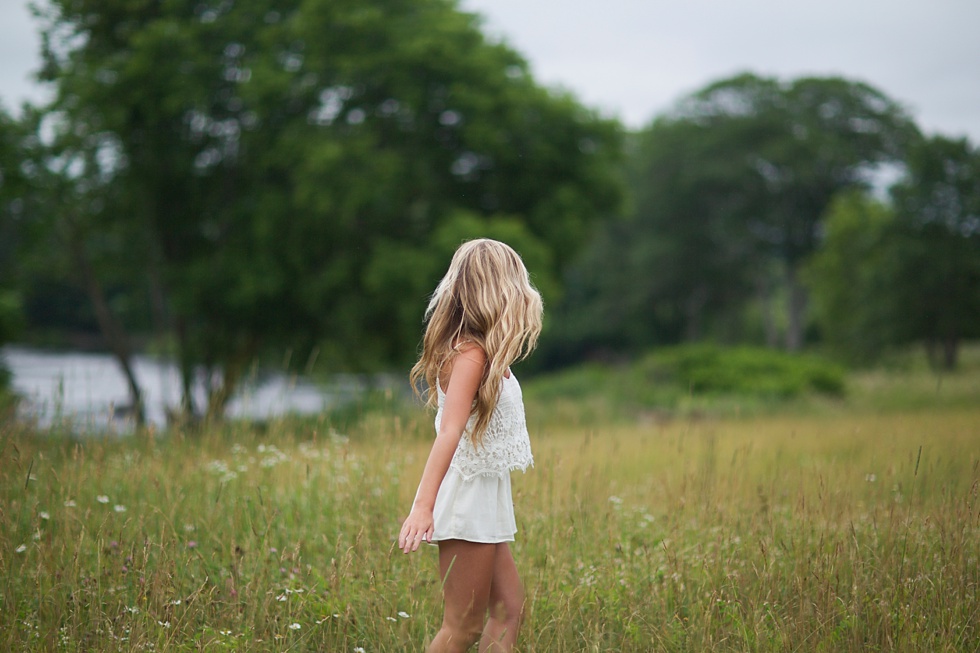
{"x":457,"y":638}
{"x":508,"y":613}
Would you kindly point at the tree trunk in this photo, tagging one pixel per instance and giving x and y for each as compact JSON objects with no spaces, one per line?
{"x":694,"y":313}
{"x":764,"y":291}
{"x":187,"y":407}
{"x":112,"y":330}
{"x":797,"y":311}
{"x":231,"y":373}
{"x":950,"y":352}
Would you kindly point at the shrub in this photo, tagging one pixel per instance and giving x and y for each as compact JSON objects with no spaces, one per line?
{"x":752,"y":371}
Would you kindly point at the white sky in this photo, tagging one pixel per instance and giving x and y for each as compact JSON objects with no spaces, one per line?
{"x":634,"y":58}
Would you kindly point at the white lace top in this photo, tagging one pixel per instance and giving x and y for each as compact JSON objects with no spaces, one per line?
{"x":506,"y":445}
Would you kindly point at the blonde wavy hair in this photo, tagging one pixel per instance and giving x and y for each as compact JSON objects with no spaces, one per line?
{"x":486,"y":298}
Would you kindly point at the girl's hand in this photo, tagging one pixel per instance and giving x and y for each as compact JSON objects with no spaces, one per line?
{"x":416,"y":529}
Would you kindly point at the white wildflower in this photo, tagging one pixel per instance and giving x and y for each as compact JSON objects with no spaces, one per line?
{"x":102,"y":498}
{"x":70,"y":503}
{"x":119,"y":508}
{"x":21,"y":548}
{"x":294,"y":626}
{"x":404,"y":615}
{"x":43,"y":515}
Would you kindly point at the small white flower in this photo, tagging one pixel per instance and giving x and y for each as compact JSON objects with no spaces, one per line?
{"x":119,"y":508}
{"x":359,"y":649}
{"x":281,"y":598}
{"x":175,"y":602}
{"x":132,"y":610}
{"x":165,"y":624}
{"x":21,"y":548}
{"x":102,"y":498}
{"x":188,"y":528}
{"x":294,"y":626}
{"x":43,"y":515}
{"x":70,"y":503}
{"x":404,"y":615}
{"x":225,"y":632}
{"x":391,"y":619}
{"x":870,"y":478}
{"x":36,"y":536}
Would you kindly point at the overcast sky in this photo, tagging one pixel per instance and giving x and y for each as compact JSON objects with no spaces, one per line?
{"x":633,"y":58}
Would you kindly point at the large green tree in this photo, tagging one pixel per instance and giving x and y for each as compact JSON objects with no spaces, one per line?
{"x":937,"y":241}
{"x":282,"y":172}
{"x":853,"y":280}
{"x":907,"y":271}
{"x":800,"y":143}
{"x":729,"y":193}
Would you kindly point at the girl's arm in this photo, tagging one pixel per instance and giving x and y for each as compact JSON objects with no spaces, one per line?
{"x":464,"y":381}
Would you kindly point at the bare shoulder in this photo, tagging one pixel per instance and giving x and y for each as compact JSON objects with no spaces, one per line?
{"x":471,"y":351}
{"x":469,"y":361}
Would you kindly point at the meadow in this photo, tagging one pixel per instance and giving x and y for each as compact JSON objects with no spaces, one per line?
{"x":840,"y":524}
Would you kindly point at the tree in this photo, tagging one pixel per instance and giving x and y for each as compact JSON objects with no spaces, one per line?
{"x":272,"y":165}
{"x":672,"y":269}
{"x":730,"y":189}
{"x":804,"y":142}
{"x":937,"y":240}
{"x":853,"y":280}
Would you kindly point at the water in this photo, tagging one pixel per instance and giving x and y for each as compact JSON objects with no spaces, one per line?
{"x":89,"y":390}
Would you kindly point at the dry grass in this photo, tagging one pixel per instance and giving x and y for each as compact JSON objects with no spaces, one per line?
{"x":848,"y":532}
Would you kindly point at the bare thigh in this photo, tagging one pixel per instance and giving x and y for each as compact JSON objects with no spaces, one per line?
{"x":467,"y":571}
{"x":506,"y":590}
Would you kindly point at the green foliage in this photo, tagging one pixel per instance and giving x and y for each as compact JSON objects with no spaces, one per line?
{"x":259,"y":175}
{"x":936,"y":242}
{"x":688,"y":378}
{"x":747,"y":371}
{"x":729,"y":193}
{"x":910,"y":273}
{"x":11,"y":318}
{"x":851,"y":280}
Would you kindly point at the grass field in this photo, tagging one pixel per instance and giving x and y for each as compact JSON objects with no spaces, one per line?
{"x":831,"y":525}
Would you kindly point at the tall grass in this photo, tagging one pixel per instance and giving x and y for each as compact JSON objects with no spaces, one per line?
{"x":827,"y":532}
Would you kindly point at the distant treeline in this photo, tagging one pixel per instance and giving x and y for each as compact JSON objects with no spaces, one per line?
{"x":232,"y":181}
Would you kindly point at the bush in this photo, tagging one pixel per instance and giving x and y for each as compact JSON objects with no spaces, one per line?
{"x":743,"y":371}
{"x":688,"y":378}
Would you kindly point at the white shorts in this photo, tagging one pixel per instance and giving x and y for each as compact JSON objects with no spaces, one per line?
{"x":480,"y":509}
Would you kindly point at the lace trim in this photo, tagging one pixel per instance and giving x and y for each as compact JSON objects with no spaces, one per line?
{"x":506,"y":445}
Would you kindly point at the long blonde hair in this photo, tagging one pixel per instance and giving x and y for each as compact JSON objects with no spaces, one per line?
{"x":485,"y":298}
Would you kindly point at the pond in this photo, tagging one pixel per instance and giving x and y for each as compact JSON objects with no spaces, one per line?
{"x":89,"y":390}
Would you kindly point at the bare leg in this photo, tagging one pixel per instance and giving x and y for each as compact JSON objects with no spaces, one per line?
{"x":506,"y":604}
{"x":467,"y":570}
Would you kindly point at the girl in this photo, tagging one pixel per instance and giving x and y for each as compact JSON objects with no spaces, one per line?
{"x":483,"y":316}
